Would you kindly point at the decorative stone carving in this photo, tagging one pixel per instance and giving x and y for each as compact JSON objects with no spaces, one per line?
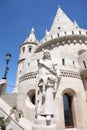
{"x":48,"y":80}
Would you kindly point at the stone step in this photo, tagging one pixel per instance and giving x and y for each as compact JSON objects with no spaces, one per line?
{"x":23,"y":123}
{"x":10,"y":99}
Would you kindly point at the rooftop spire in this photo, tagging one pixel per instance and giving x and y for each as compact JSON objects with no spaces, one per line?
{"x":32,"y":37}
{"x":61,"y":22}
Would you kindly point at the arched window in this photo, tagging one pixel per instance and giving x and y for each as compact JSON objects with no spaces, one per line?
{"x":68,"y":111}
{"x":23,"y":49}
{"x":73,"y":62}
{"x":31,"y":96}
{"x":63,"y":61}
{"x":30,"y":48}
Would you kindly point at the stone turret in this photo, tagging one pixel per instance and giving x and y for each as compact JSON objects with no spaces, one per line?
{"x":27,"y":49}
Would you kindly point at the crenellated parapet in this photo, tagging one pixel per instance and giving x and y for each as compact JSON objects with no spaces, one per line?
{"x":63,"y":38}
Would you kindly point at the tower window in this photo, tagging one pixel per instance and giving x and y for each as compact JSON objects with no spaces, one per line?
{"x":30,"y":48}
{"x":63,"y":61}
{"x":84,"y":64}
{"x":58,"y":27}
{"x":31,"y":95}
{"x":80,"y":32}
{"x":72,"y":32}
{"x":51,"y":36}
{"x":73,"y":62}
{"x":23,"y":49}
{"x":68,"y":111}
{"x":65,"y":33}
{"x":33,"y":99}
{"x":28,"y":64}
{"x":58,"y":34}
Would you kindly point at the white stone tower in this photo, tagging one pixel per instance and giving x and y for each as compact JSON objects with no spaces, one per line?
{"x":27,"y":50}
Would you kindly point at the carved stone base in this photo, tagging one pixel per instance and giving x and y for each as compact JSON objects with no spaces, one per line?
{"x":43,"y":127}
{"x":44,"y":123}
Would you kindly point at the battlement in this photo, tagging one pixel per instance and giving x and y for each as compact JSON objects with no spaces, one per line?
{"x":64,"y":37}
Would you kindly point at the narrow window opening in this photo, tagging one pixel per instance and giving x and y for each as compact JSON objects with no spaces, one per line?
{"x":46,"y":39}
{"x":33,"y":99}
{"x":68,"y":111}
{"x":23,"y":49}
{"x":84,"y":64}
{"x":73,"y":62}
{"x":58,"y":34}
{"x":65,"y":33}
{"x":58,"y":27}
{"x":31,"y":95}
{"x":72,"y":32}
{"x":80,"y":32}
{"x":30,"y":48}
{"x":51,"y":36}
{"x":28,"y":64}
{"x":63,"y":61}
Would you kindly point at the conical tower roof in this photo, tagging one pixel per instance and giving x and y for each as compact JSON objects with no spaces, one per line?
{"x":61,"y":23}
{"x":62,"y":27}
{"x":32,"y":37}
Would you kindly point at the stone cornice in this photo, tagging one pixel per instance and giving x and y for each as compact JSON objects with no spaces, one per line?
{"x":25,"y":43}
{"x":28,"y":76}
{"x":64,"y":73}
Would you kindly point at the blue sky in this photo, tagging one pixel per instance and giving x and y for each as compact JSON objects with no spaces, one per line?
{"x":17,"y":17}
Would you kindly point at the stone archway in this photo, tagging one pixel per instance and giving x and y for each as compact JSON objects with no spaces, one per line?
{"x":68,"y":96}
{"x":68,"y":116}
{"x":30,"y":98}
{"x":69,"y":91}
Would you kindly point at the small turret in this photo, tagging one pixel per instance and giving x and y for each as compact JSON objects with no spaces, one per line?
{"x":27,"y":49}
{"x":29,"y":46}
{"x":32,"y":37}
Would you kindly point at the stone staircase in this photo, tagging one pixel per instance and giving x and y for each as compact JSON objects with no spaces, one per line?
{"x":23,"y":123}
{"x":10,"y":99}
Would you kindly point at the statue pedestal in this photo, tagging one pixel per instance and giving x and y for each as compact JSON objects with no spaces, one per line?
{"x":43,"y":127}
{"x":44,"y":123}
